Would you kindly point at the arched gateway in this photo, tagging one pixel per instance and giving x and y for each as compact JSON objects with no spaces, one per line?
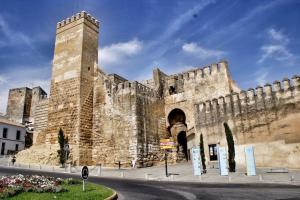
{"x":177,"y":130}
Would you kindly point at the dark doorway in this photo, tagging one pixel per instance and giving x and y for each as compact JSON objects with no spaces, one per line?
{"x":213,"y":152}
{"x":182,"y":144}
{"x":2,"y":148}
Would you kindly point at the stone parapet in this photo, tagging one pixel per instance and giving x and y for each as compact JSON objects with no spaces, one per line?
{"x":76,"y":17}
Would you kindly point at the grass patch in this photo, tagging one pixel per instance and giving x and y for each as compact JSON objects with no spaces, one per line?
{"x":74,"y":191}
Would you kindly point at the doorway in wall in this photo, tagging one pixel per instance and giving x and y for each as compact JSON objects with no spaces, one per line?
{"x":213,"y":152}
{"x":182,"y":143}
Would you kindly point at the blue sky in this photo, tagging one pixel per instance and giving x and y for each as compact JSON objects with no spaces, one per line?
{"x":260,"y":39}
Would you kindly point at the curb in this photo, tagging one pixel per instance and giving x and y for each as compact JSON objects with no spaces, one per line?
{"x":114,"y":196}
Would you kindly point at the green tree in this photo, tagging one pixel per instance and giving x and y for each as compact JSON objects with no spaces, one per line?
{"x":202,"y":153}
{"x":61,"y":152}
{"x":231,"y":150}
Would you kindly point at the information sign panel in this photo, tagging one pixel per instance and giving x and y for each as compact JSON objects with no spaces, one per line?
{"x":197,"y":162}
{"x":250,"y":161}
{"x":222,"y":155}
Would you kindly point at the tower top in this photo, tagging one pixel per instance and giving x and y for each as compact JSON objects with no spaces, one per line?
{"x":82,"y":14}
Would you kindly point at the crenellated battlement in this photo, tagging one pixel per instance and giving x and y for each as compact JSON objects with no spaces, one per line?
{"x":201,"y":72}
{"x":135,"y":86}
{"x":236,"y":104}
{"x":76,"y":17}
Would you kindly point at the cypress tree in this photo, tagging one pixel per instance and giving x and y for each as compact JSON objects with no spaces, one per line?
{"x":231,"y":151}
{"x":202,"y":153}
{"x":61,"y":151}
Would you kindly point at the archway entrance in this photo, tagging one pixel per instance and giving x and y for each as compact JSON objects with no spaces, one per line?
{"x":182,"y":144}
{"x":177,"y":130}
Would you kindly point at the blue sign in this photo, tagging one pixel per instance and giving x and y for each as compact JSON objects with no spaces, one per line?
{"x":222,"y":155}
{"x":250,"y":161}
{"x":197,"y":162}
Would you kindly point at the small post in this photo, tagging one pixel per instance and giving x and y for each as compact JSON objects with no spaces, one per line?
{"x":166,"y":163}
{"x":83,"y":185}
{"x":40,"y":167}
{"x":292,"y":178}
{"x":99,"y":170}
{"x":70,"y":169}
{"x":260,"y":177}
{"x":119,"y":164}
{"x":200,"y":178}
{"x":122,"y":174}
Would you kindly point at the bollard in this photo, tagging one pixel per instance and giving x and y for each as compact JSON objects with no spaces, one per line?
{"x":122,"y":174}
{"x":28,"y":165}
{"x":172,"y":177}
{"x":200,"y":178}
{"x":99,"y":170}
{"x":260,"y":177}
{"x":70,"y":168}
{"x":53,"y":168}
{"x":292,"y":178}
{"x":8,"y":163}
{"x":146,"y":176}
{"x":40,"y":167}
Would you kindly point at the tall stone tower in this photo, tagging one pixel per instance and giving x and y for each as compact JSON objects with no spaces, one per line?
{"x":71,"y":94}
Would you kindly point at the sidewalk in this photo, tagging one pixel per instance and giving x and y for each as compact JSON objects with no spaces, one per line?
{"x":179,"y":172}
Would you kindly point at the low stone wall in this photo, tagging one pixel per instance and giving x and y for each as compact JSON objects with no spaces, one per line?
{"x":44,"y":154}
{"x":271,"y":154}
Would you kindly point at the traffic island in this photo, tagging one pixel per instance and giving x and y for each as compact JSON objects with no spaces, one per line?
{"x":36,"y":187}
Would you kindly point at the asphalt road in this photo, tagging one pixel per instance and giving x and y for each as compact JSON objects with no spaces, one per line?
{"x":155,"y":190}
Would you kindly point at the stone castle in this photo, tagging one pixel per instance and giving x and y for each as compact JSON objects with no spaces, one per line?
{"x":108,"y":118}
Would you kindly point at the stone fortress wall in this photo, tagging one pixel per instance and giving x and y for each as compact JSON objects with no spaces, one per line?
{"x":108,"y":119}
{"x":22,"y":103}
{"x":127,"y":121}
{"x":267,"y":118}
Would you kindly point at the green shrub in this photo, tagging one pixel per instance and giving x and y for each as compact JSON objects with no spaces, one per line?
{"x":231,"y":150}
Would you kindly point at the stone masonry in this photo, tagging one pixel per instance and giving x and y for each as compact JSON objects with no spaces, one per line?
{"x":22,"y":103}
{"x":108,"y":118}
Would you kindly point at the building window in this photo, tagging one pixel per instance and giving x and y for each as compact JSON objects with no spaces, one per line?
{"x":17,"y":147}
{"x":18,"y":135}
{"x":4,"y":133}
{"x":3,"y":148}
{"x":172,"y":90}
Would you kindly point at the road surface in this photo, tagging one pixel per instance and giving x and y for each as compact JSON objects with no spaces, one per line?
{"x":158,"y":190}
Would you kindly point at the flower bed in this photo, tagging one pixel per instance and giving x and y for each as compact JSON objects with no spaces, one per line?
{"x":12,"y":185}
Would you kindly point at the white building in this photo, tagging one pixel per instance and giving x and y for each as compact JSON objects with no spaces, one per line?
{"x":12,"y":136}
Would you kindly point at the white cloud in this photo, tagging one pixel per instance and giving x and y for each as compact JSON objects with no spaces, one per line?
{"x":185,"y":17}
{"x":278,"y":52}
{"x":277,"y":48}
{"x":261,"y":76}
{"x":2,"y":80}
{"x":277,"y":36}
{"x":116,"y":53}
{"x":13,"y":37}
{"x":201,"y":52}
